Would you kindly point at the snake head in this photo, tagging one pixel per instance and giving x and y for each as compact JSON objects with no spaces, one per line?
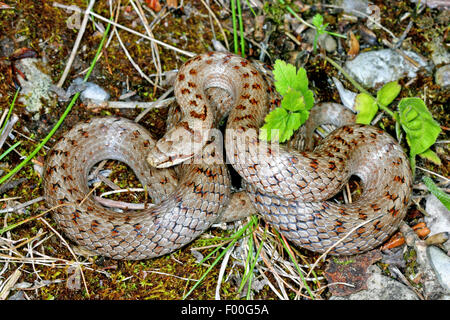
{"x":178,"y":145}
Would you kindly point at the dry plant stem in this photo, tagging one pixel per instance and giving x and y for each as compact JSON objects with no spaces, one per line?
{"x":122,"y":205}
{"x":155,"y":50}
{"x":279,"y":280}
{"x":8,"y":128}
{"x":434,"y":173}
{"x":76,"y":45}
{"x":133,"y":104}
{"x":9,"y":283}
{"x":28,"y":138}
{"x":183,"y":52}
{"x":5,"y":113}
{"x":218,"y":23}
{"x":23,"y":205}
{"x":222,"y":271}
{"x":278,"y":294}
{"x":8,"y":199}
{"x":133,"y":63}
{"x":71,"y":251}
{"x":144,"y":112}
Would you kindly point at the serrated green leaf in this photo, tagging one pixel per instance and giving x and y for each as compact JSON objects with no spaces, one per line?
{"x":275,"y":120}
{"x":418,"y":123}
{"x":366,"y":106}
{"x":293,"y":100}
{"x":317,"y":21}
{"x":308,"y":96}
{"x":286,"y":76}
{"x":388,"y":93}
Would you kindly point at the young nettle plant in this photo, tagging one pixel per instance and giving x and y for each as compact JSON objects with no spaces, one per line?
{"x":297,"y":100}
{"x":412,"y":116}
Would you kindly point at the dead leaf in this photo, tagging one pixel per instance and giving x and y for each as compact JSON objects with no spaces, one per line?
{"x":351,"y":270}
{"x":154,"y":5}
{"x":354,"y":46}
{"x":172,"y":4}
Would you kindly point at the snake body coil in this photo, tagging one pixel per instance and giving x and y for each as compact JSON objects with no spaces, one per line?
{"x":289,"y":188}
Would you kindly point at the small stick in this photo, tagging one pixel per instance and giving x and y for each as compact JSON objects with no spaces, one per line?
{"x":8,"y":128}
{"x":218,"y":23}
{"x":77,"y":44}
{"x":434,"y":173}
{"x":132,"y":104}
{"x":122,"y":205}
{"x":22,"y":205}
{"x":143,"y":113}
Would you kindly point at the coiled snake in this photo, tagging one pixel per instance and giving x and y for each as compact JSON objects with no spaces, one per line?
{"x":289,"y":188}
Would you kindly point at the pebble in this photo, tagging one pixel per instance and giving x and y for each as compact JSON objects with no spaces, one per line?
{"x":380,"y":287}
{"x":89,"y":91}
{"x":325,"y":41}
{"x":438,"y":218}
{"x":441,"y":266}
{"x":442,"y":76}
{"x":378,"y":67}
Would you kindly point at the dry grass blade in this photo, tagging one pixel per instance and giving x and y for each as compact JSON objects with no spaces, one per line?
{"x":76,"y":45}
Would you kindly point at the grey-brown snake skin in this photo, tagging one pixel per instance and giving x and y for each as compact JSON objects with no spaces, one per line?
{"x":289,"y":188}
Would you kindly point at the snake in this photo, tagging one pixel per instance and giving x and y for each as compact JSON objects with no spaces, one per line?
{"x":290,"y":185}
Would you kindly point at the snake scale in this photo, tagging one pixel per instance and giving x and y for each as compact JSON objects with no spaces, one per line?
{"x":290,"y":186}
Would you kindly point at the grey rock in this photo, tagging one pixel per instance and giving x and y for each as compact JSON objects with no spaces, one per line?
{"x":35,"y":91}
{"x":380,"y":287}
{"x":442,"y":76}
{"x":438,"y":218}
{"x":89,"y":91}
{"x":441,"y":266}
{"x":378,"y":67}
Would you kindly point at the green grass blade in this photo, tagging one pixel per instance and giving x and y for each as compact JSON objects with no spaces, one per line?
{"x":241,"y":28}
{"x":296,"y":266}
{"x":11,"y":106}
{"x":235,"y":32}
{"x":237,"y":235}
{"x":439,"y":193}
{"x":4,"y":154}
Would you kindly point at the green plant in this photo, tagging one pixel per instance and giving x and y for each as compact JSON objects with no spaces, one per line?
{"x":439,"y":193}
{"x":297,"y":100}
{"x":246,"y":230}
{"x":412,"y":116}
{"x":320,"y":27}
{"x":237,"y":4}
